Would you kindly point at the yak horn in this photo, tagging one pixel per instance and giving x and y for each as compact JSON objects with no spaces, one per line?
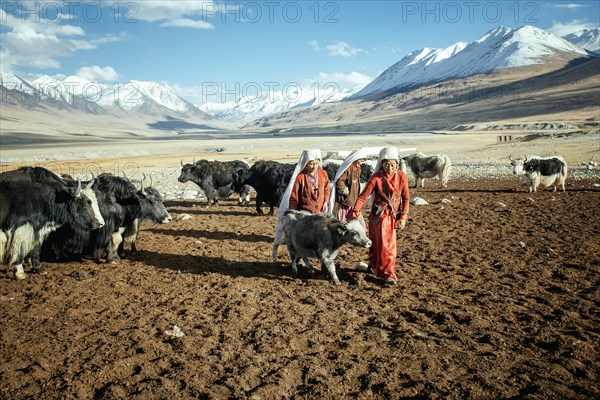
{"x":78,"y":191}
{"x":92,"y":181}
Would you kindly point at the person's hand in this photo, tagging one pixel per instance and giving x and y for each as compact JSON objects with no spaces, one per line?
{"x":400,"y":224}
{"x":353,"y":214}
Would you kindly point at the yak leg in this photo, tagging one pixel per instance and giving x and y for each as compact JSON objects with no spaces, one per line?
{"x":19,"y":272}
{"x":259,"y":201}
{"x":117,"y":240}
{"x":294,"y":256}
{"x":308,"y":264}
{"x":36,"y":254}
{"x":21,"y":244}
{"x":330,"y":266}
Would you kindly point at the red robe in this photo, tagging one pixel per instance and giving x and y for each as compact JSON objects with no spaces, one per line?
{"x":382,"y":219}
{"x":305,"y":197}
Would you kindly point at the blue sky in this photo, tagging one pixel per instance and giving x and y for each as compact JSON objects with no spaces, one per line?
{"x":196,"y":47}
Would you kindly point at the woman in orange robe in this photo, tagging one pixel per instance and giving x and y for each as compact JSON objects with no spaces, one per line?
{"x":311,"y":189}
{"x":308,"y":190}
{"x":389,"y":212}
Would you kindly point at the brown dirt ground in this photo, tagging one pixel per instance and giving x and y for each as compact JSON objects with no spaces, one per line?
{"x":475,"y":314}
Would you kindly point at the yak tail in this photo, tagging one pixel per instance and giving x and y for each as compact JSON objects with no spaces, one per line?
{"x":564,"y":168}
{"x":445,"y":173}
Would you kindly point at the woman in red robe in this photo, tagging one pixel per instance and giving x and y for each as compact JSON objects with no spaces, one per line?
{"x":389,"y":212}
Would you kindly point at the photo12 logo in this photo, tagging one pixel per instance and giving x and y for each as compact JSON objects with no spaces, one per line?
{"x":130,"y":11}
{"x":468,"y":11}
{"x":272,"y":11}
{"x":69,"y":11}
{"x":254,"y":92}
{"x":124,"y":95}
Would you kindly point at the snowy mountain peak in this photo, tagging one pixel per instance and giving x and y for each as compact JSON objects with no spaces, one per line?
{"x":588,"y":39}
{"x":45,"y":80}
{"x":499,"y":32}
{"x":162,"y":96}
{"x":249,"y":108}
{"x":501,"y":47}
{"x":12,"y":82}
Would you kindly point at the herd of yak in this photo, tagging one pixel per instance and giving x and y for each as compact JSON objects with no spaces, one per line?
{"x":44,"y":216}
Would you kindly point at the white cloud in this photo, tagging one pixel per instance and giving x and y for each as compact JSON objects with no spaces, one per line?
{"x":110,"y":38}
{"x":40,"y":43}
{"x":314,"y":45}
{"x":570,"y":6}
{"x":187,"y":23}
{"x":98,"y":74}
{"x":173,"y":11}
{"x":344,"y":81}
{"x":342,"y":49}
{"x":562,"y":29}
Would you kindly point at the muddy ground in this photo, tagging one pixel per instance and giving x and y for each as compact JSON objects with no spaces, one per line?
{"x":493,"y":302}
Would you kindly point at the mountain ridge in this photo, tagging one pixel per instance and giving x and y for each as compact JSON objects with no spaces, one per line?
{"x":499,"y":49}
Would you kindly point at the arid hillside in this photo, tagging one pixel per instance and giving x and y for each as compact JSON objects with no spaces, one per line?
{"x":568,"y":93}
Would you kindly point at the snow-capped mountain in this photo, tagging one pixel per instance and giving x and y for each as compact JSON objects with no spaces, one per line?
{"x":588,"y":39}
{"x":12,"y":82}
{"x":139,"y":94}
{"x":499,"y":48}
{"x":249,"y":108}
{"x":81,"y":94}
{"x":71,"y":93}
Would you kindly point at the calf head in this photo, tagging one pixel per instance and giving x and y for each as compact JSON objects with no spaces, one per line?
{"x":517,"y":165}
{"x":355,"y":234}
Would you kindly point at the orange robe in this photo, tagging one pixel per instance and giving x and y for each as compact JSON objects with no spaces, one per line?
{"x":304,"y":196}
{"x":382,"y":219}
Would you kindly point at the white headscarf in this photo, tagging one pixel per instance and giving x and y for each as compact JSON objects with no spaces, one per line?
{"x":355,"y":155}
{"x":387,"y":153}
{"x":305,"y":157}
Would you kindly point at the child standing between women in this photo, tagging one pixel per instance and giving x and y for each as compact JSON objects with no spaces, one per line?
{"x":389,"y":212}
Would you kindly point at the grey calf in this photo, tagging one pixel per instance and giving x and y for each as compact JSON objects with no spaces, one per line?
{"x":320,"y":236}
